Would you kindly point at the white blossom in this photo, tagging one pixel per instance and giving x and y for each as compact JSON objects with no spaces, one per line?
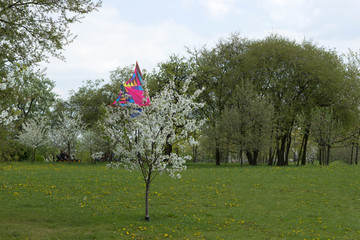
{"x":34,"y":132}
{"x":6,"y":117}
{"x":147,"y":134}
{"x":97,"y":155}
{"x":67,"y":132}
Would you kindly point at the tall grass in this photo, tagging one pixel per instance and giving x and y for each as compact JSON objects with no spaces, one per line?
{"x":79,"y":201}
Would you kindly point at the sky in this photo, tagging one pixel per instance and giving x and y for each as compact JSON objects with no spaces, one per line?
{"x":122,"y":32}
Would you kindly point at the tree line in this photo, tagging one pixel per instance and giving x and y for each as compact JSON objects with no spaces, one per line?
{"x":266,"y":100}
{"x":272,"y":97}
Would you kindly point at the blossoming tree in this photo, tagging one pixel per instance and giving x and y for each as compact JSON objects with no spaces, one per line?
{"x":141,"y":140}
{"x":34,"y":133}
{"x":65,"y":135}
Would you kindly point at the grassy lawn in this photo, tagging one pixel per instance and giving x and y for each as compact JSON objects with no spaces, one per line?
{"x":80,"y":201}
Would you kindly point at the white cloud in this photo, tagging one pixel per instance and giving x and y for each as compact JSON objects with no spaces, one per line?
{"x":218,"y":8}
{"x":105,"y":41}
{"x":110,"y":38}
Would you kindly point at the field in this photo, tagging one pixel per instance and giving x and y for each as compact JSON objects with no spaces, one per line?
{"x":80,"y":201}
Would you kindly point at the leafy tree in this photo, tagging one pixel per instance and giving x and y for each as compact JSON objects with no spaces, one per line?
{"x":24,"y":94}
{"x":176,"y":69}
{"x":141,"y":140}
{"x":92,"y":98}
{"x":219,"y":70}
{"x":247,"y":122}
{"x":30,"y":30}
{"x":325,"y":130}
{"x":296,"y":78}
{"x":33,"y":95}
{"x":353,"y":76}
{"x":89,"y":102}
{"x":34,"y":134}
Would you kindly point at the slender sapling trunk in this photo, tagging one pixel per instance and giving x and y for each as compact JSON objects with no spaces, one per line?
{"x":147,"y":216}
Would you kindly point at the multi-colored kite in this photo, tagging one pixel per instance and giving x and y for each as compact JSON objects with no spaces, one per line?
{"x":132,"y":91}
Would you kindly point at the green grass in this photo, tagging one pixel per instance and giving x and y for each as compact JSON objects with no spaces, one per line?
{"x":79,"y":201}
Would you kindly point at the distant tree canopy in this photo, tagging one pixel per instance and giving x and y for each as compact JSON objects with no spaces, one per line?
{"x":264,"y":98}
{"x":255,"y":91}
{"x":294,"y":77}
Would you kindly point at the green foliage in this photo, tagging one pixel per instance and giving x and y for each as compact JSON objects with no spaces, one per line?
{"x":33,"y":93}
{"x":10,"y":148}
{"x":80,"y":201}
{"x":296,"y":77}
{"x":293,"y":78}
{"x":325,"y":130}
{"x":30,"y":30}
{"x":89,"y":102}
{"x":218,"y":70}
{"x":324,"y":127}
{"x":176,"y":69}
{"x":246,"y":122}
{"x":92,"y":98}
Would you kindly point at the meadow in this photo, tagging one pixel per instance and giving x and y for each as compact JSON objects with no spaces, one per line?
{"x":83,"y":201}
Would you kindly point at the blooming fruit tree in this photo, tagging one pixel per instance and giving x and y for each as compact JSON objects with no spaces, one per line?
{"x":66,"y":134}
{"x":34,"y":133}
{"x":142,"y":134}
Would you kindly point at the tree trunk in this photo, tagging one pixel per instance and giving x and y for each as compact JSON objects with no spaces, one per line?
{"x":68,"y":146}
{"x":249,"y":157}
{"x":91,"y":157}
{"x":301,"y":151}
{"x":352,"y":153}
{"x":217,"y":155}
{"x":33,"y":156}
{"x":276,"y":155}
{"x":328,"y":155}
{"x":303,"y":156}
{"x":168,"y":148}
{"x":147,"y":216}
{"x":323,"y":155}
{"x":286,"y":162}
{"x":241,"y":158}
{"x":357,"y":153}
{"x":256,"y":154}
{"x":270,"y":163}
{"x":252,"y":157}
{"x":281,"y":155}
{"x":195,"y":153}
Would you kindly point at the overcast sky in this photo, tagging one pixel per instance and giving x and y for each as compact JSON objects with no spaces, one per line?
{"x":149,"y":31}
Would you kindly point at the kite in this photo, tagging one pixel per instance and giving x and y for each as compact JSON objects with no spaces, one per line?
{"x":132,"y":91}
